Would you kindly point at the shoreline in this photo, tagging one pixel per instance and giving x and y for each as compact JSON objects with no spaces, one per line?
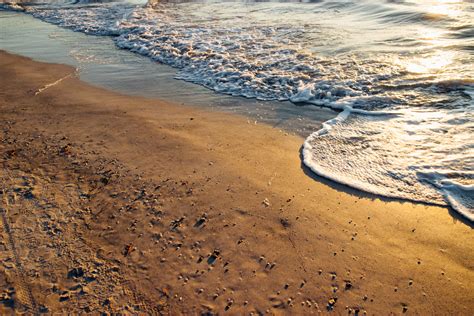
{"x":157,"y":80}
{"x":302,"y":121}
{"x":182,"y":207}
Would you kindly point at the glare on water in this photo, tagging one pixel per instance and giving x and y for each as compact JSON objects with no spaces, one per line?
{"x":432,"y":64}
{"x":444,"y":7}
{"x":401,"y":72}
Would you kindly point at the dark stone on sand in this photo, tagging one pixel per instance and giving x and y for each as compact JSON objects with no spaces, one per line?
{"x":347,"y":285}
{"x":285,"y":222}
{"x":64,"y":297}
{"x":75,"y":273}
{"x":43,"y":309}
{"x":200,"y":221}
{"x":7,"y":300}
{"x":213,"y":257}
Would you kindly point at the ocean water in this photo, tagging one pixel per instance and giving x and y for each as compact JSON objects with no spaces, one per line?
{"x":399,"y":73}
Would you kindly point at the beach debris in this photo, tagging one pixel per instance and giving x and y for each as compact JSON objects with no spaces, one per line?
{"x":175,"y":224}
{"x":65,"y":150}
{"x":75,"y":273}
{"x":277,"y":303}
{"x":10,"y":153}
{"x":354,"y":235}
{"x":6,"y":298}
{"x":140,"y":194}
{"x":83,"y":289}
{"x":43,"y":309}
{"x":108,"y":301}
{"x":64,"y":296}
{"x":157,"y":236}
{"x":331,"y":303}
{"x":285,"y":222}
{"x":213,"y":256}
{"x":201,"y":220}
{"x":347,"y":285}
{"x":229,"y":303}
{"x":355,"y":310}
{"x":165,"y":292}
{"x":128,"y":249}
{"x":270,"y":265}
{"x":25,"y":191}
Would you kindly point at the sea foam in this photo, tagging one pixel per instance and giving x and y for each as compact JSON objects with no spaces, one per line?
{"x":405,"y":101}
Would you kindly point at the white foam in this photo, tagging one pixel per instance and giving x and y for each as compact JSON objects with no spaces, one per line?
{"x":400,"y":122}
{"x":460,"y":196}
{"x":415,"y":155}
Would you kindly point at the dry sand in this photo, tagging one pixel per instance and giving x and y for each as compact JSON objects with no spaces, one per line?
{"x":122,"y":204}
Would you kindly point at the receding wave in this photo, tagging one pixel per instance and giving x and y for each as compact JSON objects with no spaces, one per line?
{"x":404,"y":97}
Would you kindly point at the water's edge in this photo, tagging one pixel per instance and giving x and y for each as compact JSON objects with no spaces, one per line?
{"x":440,"y":191}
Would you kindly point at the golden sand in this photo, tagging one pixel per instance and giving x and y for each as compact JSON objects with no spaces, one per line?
{"x":123,"y":204}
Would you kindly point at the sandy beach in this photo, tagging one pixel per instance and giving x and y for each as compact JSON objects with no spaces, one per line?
{"x":118,"y":204}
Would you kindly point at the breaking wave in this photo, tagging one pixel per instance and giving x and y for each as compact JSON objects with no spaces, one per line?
{"x":404,"y":97}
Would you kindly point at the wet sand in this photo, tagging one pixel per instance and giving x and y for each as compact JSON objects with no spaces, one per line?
{"x":130,"y":205}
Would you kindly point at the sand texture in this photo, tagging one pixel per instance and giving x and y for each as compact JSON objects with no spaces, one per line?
{"x":129,"y":205}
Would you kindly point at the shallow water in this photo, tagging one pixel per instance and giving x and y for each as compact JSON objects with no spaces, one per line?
{"x":400,"y":72}
{"x":99,"y":62}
